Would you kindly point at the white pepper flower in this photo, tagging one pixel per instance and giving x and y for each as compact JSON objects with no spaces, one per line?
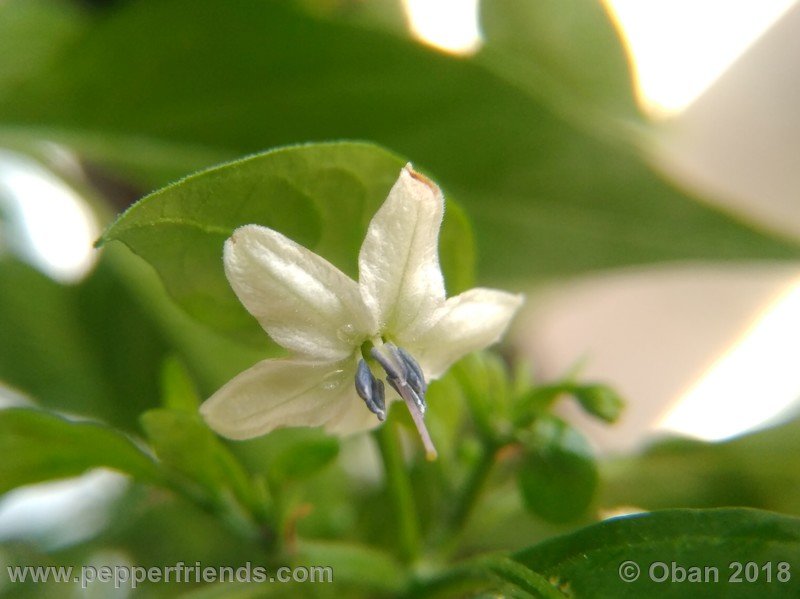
{"x":395,"y":321}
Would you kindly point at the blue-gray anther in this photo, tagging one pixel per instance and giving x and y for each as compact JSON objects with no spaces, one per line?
{"x":415,"y":376}
{"x":403,"y":374}
{"x":379,"y":398}
{"x":370,"y":390}
{"x":394,"y":369}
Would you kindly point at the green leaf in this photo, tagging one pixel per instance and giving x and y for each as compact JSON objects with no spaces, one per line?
{"x":754,"y":470}
{"x":566,"y":52}
{"x":211,"y":359}
{"x":599,"y":400}
{"x":483,"y":378}
{"x":37,"y":30}
{"x":186,"y":445}
{"x":40,"y":446}
{"x":591,"y":561}
{"x":355,"y":565}
{"x":290,"y":454}
{"x":178,"y":390}
{"x":558,"y":475}
{"x":322,"y":196}
{"x":536,"y":401}
{"x":88,"y":349}
{"x":522,"y":581}
{"x":550,"y":193}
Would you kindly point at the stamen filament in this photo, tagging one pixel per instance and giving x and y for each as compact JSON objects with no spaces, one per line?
{"x":416,"y":416}
{"x":405,"y":376}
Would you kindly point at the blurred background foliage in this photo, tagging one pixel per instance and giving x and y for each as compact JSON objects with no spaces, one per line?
{"x":537,"y":140}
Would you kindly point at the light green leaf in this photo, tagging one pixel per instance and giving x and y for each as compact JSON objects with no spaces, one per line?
{"x":40,"y":446}
{"x":592,"y":562}
{"x":322,"y":196}
{"x":558,"y":475}
{"x":178,"y":390}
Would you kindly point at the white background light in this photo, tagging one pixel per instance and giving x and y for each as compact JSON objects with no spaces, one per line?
{"x":53,"y":227}
{"x":450,"y":25}
{"x":680,"y":47}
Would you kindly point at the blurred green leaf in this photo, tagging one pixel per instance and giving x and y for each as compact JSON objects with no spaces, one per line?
{"x":211,"y":359}
{"x":185,"y":444}
{"x":32,"y":34}
{"x":755,"y":470}
{"x":558,"y":475}
{"x":590,"y":562}
{"x":87,"y":349}
{"x":600,"y":401}
{"x":547,"y":197}
{"x":483,"y":378}
{"x":177,"y":388}
{"x":536,"y":401}
{"x":44,"y":352}
{"x":355,"y":565}
{"x":322,"y":196}
{"x":520,"y":581}
{"x":565,"y":52}
{"x":290,"y":454}
{"x":40,"y":446}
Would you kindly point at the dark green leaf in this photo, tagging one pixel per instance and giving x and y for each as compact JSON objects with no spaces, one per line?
{"x":591,"y":561}
{"x":558,"y":474}
{"x":39,"y":446}
{"x":322,"y":196}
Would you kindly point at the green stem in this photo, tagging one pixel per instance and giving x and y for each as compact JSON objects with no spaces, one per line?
{"x":465,"y":501}
{"x":470,"y":493}
{"x":399,"y":489}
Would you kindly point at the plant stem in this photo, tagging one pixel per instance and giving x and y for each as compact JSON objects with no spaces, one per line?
{"x":472,"y":489}
{"x":399,"y":489}
{"x":466,"y":499}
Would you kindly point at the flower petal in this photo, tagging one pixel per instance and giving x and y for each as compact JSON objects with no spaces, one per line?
{"x":353,"y":416}
{"x":278,"y":393}
{"x":304,"y":302}
{"x":467,"y":322}
{"x":399,"y":273}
